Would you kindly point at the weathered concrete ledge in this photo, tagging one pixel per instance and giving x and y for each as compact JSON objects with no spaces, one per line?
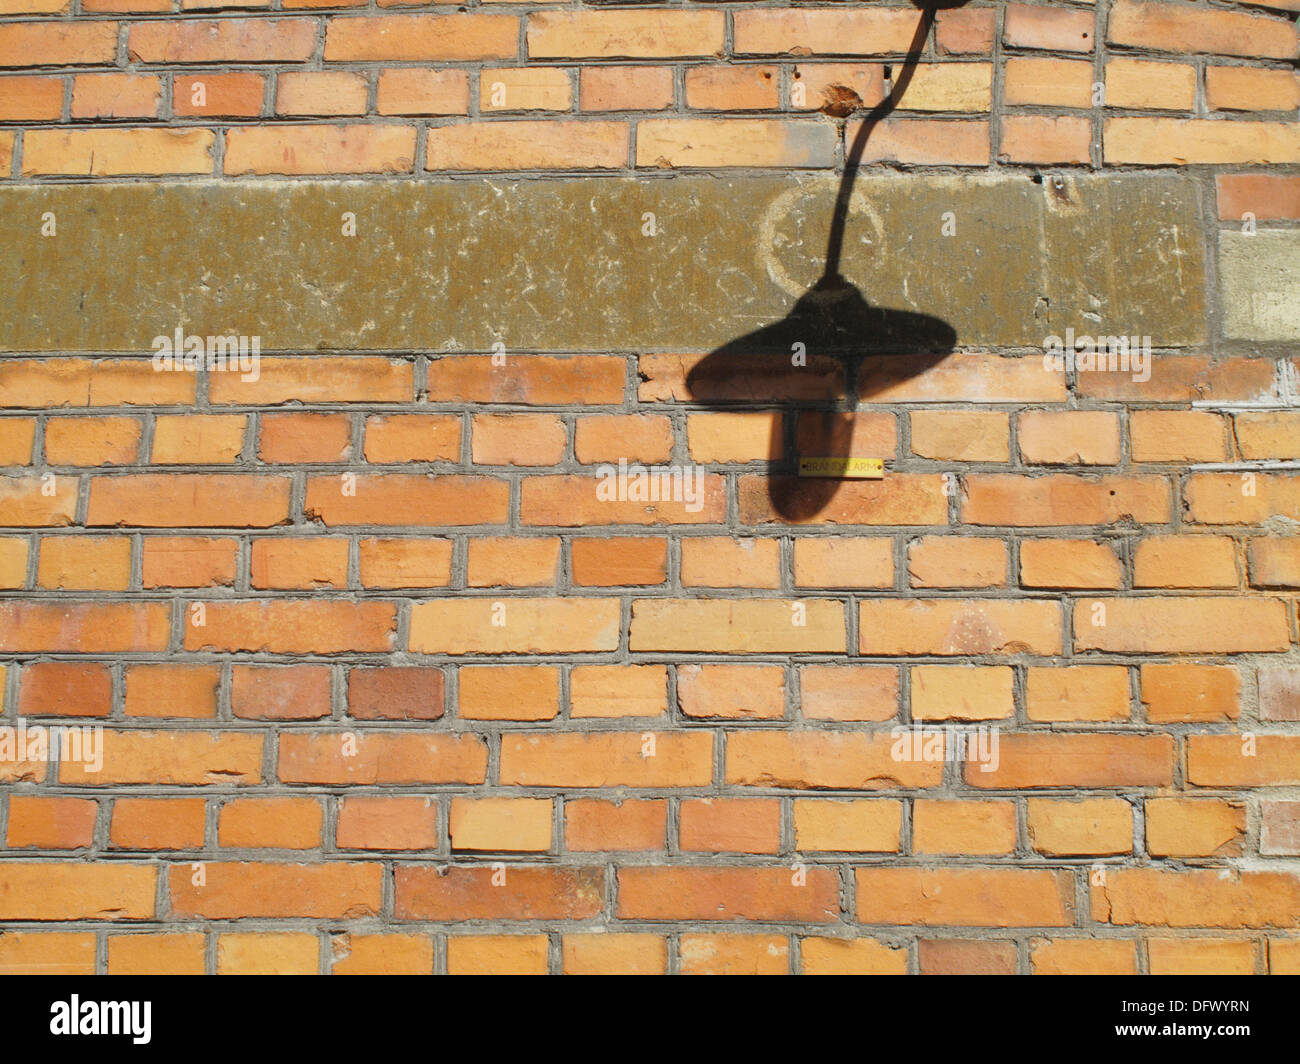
{"x":568,"y":265}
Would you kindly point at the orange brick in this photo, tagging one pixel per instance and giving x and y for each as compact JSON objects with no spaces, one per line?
{"x":841,"y":562}
{"x":92,"y":441}
{"x":67,"y":890}
{"x":387,"y":823}
{"x":17,"y":435}
{"x":1070,"y":437}
{"x":354,"y":149}
{"x":973,"y":436}
{"x":957,"y":626}
{"x":1094,"y":761}
{"x":1150,"y":86}
{"x":57,"y":43}
{"x":338,"y":758}
{"x":730,"y":825}
{"x":399,"y":499}
{"x":497,"y":954}
{"x":1201,"y":956}
{"x":609,"y":437}
{"x":717,"y":893}
{"x":1185,"y":561}
{"x":525,"y":892}
{"x":409,"y":91}
{"x":732,"y":88}
{"x":235,"y":889}
{"x":50,"y":823}
{"x":853,"y":826}
{"x":115,"y":96}
{"x":524,"y":89}
{"x":518,"y":439}
{"x":1094,"y":826}
{"x":630,"y":824}
{"x":626,"y":34}
{"x":47,"y":953}
{"x":413,"y":438}
{"x":405,"y":562}
{"x":157,"y":823}
{"x":509,"y":692}
{"x":1177,"y":436}
{"x":530,"y":380}
{"x":953,"y":956}
{"x":180,"y":500}
{"x":1268,"y":435}
{"x":1077,"y":692}
{"x":397,"y":692}
{"x":1064,"y":499}
{"x":1069,"y":563}
{"x":1055,"y":29}
{"x":852,"y":956}
{"x":964,"y":32}
{"x":37,"y":99}
{"x":301,"y":563}
{"x":509,"y":561}
{"x":280,"y":692}
{"x":721,"y":142}
{"x":725,"y":562}
{"x":183,"y":758}
{"x":1171,"y":28}
{"x":614,"y":954}
{"x":268,"y":953}
{"x":236,"y":40}
{"x":84,"y":627}
{"x":1044,"y":139}
{"x":955,"y":561}
{"x":962,"y":692}
{"x":1194,"y":827}
{"x":1267,"y":196}
{"x":313,"y":92}
{"x":172,"y":690}
{"x":625,"y":88}
{"x":520,"y":626}
{"x":270,"y":823}
{"x":1181,"y":625}
{"x":824,"y":31}
{"x":65,"y":689}
{"x":292,"y":438}
{"x":618,"y":691}
{"x":973,"y":897}
{"x":734,"y":955}
{"x":595,"y":759}
{"x":1194,"y":141}
{"x":1196,"y":898}
{"x":219,"y":95}
{"x":294,"y":627}
{"x":419,"y":38}
{"x":1083,"y":956}
{"x":739,"y":437}
{"x":85,"y":563}
{"x":501,"y":824}
{"x":197,"y":440}
{"x":553,"y":144}
{"x":965,"y":827}
{"x":382,"y":954}
{"x":835,"y":760}
{"x":1049,"y":82}
{"x":836,"y":88}
{"x":622,"y":560}
{"x":848,"y":692}
{"x":176,"y":953}
{"x":182,"y":561}
{"x":116,"y":152}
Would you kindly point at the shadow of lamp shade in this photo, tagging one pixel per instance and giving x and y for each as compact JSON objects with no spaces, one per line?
{"x":832,"y":320}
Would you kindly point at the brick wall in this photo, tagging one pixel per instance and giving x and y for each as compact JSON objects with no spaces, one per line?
{"x":387,"y":681}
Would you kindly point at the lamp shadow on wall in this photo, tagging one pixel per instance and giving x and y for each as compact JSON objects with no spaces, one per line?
{"x":833,"y":321}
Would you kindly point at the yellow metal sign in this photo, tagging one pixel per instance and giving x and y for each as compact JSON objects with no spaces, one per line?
{"x":848,"y":468}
